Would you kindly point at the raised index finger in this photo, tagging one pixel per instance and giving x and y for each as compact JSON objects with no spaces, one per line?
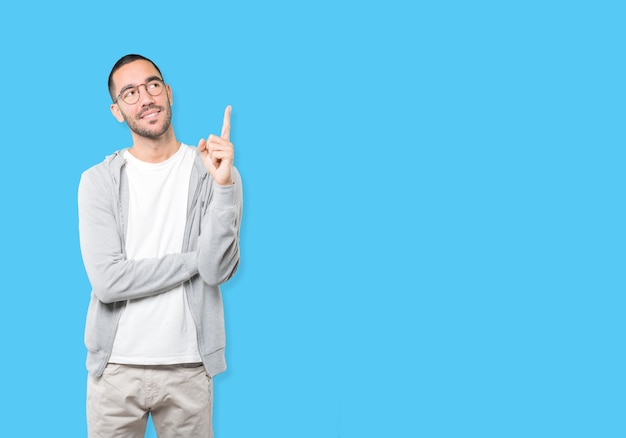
{"x":226,"y":125}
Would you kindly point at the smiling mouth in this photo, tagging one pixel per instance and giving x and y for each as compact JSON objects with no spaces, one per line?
{"x":150,"y":113}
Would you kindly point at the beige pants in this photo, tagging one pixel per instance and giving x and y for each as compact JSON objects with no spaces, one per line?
{"x":179,"y":398}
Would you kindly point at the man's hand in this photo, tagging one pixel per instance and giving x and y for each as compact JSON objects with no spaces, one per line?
{"x":218,"y":153}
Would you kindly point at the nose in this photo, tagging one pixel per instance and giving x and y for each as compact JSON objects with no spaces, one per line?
{"x":144,"y":97}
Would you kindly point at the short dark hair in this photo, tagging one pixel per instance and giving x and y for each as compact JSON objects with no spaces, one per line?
{"x":127,"y":59}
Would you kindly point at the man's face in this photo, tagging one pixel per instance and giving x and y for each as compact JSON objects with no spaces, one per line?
{"x":151,"y":116}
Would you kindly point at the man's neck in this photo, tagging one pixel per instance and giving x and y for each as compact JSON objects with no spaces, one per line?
{"x":154,"y":150}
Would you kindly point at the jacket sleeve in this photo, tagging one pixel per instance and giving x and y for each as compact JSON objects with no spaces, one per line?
{"x":218,"y":244}
{"x":113,"y":277}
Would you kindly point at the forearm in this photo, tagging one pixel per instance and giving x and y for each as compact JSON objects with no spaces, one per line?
{"x":218,"y":256}
{"x":121,"y":280}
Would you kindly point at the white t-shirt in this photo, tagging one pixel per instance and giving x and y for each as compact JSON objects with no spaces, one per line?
{"x":157,"y":330}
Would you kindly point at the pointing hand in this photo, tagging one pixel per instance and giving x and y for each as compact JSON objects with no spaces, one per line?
{"x":218,"y":153}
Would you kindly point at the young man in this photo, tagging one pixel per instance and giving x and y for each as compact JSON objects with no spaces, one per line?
{"x":159,"y":232}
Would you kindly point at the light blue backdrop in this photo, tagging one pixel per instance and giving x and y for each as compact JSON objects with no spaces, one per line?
{"x":433,"y":236}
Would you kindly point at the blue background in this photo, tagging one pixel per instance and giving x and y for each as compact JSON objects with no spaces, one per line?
{"x":433,"y":237}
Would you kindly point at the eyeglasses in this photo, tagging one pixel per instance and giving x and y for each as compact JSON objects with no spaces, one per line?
{"x":130,"y":95}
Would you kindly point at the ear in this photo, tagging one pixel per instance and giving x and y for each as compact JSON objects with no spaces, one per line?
{"x":169,"y":94}
{"x":117,"y":113}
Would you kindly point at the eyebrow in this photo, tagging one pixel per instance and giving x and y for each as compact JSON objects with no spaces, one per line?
{"x":151,"y":78}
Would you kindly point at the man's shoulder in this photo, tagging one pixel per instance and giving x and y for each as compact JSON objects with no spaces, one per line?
{"x":106,"y":166}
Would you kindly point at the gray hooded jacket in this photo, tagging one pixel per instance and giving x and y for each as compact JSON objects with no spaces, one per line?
{"x":210,"y":256}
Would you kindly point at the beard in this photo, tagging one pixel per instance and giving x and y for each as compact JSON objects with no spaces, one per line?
{"x":146,"y":132}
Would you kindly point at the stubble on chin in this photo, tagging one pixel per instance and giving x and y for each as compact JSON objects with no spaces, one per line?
{"x":133,"y":125}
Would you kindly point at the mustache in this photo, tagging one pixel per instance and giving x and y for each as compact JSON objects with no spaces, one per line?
{"x":150,"y":108}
